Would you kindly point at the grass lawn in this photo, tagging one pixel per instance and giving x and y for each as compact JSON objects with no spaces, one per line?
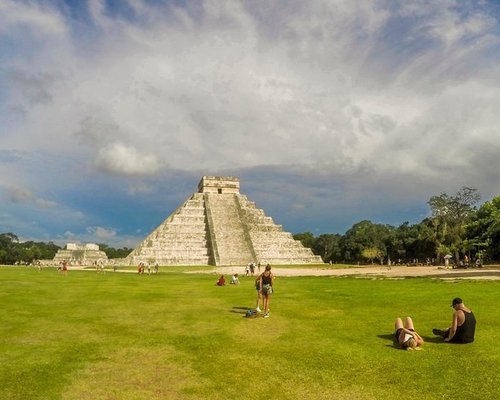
{"x":178,"y":336}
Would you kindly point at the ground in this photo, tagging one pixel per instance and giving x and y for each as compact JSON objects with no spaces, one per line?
{"x":488,"y":272}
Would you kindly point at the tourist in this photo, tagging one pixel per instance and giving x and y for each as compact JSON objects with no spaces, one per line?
{"x":258,"y":267}
{"x":463,"y":324}
{"x":235,"y":280}
{"x":156,"y":267}
{"x":406,"y":336}
{"x":221,"y":281}
{"x":252,"y":269}
{"x":266,"y":288}
{"x":247,"y":269}
{"x":64,"y":268}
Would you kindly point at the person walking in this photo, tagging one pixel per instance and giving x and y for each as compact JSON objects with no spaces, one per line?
{"x":266,"y":288}
{"x":463,"y":324}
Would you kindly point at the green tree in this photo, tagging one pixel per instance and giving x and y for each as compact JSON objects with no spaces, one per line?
{"x":371,"y":253}
{"x":483,"y":232}
{"x":328,"y":247}
{"x":114,"y":253}
{"x":366,"y":234}
{"x":306,"y":238}
{"x":450,"y":215}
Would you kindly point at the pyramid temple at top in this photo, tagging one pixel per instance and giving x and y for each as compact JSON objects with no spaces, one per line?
{"x":220,"y":226}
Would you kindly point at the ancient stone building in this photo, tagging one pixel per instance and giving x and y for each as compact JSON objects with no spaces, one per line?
{"x":220,"y":226}
{"x":85,"y":254}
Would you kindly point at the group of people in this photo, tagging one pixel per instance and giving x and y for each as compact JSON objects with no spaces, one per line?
{"x":462,"y":329}
{"x":63,"y":267}
{"x":145,"y":266}
{"x":263,"y":285}
{"x":250,"y":269}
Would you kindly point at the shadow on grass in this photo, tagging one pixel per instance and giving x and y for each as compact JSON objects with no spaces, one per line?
{"x":433,"y":339}
{"x":240,"y":310}
{"x":390,"y":337}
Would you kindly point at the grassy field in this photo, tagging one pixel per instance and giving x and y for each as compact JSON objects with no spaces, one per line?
{"x":178,"y":336}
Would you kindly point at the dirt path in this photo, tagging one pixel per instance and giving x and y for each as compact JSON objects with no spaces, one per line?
{"x":388,"y":272}
{"x":395,"y":272}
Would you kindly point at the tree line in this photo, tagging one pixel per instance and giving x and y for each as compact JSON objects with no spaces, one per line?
{"x":13,"y":251}
{"x":456,"y":228}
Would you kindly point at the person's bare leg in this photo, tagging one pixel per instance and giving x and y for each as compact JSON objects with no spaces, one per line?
{"x":409,"y":324}
{"x":259,"y":300}
{"x":266,"y":303}
{"x":398,"y":324}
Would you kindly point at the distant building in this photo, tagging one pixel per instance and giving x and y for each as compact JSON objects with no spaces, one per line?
{"x":87,"y":254}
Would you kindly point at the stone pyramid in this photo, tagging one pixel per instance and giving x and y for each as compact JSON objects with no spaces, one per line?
{"x":219,"y":226}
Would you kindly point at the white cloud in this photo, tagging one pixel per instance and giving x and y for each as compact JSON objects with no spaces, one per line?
{"x":31,"y":18}
{"x":102,"y":233}
{"x":121,"y":159}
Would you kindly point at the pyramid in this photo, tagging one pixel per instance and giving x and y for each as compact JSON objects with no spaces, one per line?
{"x":219,"y":226}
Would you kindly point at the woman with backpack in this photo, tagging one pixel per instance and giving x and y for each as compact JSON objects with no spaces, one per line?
{"x":266,"y":288}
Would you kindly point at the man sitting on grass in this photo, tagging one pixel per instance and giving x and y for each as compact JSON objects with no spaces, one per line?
{"x":463,"y":325}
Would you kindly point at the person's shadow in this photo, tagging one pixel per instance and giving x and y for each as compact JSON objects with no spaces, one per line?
{"x":433,"y":339}
{"x":240,"y":310}
{"x":392,"y":339}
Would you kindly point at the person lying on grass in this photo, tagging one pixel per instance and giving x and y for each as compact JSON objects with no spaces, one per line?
{"x":406,"y":336}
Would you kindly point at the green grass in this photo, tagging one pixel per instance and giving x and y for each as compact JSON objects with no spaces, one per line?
{"x":178,"y":336}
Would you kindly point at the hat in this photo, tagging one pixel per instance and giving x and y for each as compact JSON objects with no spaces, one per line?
{"x":455,"y":301}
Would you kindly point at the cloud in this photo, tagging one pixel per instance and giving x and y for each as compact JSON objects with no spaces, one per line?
{"x":139,"y":188}
{"x":120,"y":159}
{"x":219,"y":86}
{"x":102,"y":233}
{"x":20,"y":195}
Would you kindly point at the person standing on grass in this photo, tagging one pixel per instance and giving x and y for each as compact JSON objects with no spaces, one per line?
{"x":266,"y":288}
{"x":463,"y":324}
{"x":406,"y":336}
{"x":64,"y":268}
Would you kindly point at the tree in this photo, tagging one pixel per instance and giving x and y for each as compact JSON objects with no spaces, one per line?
{"x":483,"y":231}
{"x":306,"y":238}
{"x":328,"y":247}
{"x":114,"y":253}
{"x":370,"y":253}
{"x":12,"y":250}
{"x":450,"y":214}
{"x":365,"y":234}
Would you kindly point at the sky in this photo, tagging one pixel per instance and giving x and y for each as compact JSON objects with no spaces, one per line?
{"x":329,"y":112}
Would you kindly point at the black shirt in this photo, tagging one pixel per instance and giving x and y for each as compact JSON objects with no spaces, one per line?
{"x":465,"y":332}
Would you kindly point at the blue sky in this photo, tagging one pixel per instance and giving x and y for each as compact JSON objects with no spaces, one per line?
{"x":330,"y":112}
